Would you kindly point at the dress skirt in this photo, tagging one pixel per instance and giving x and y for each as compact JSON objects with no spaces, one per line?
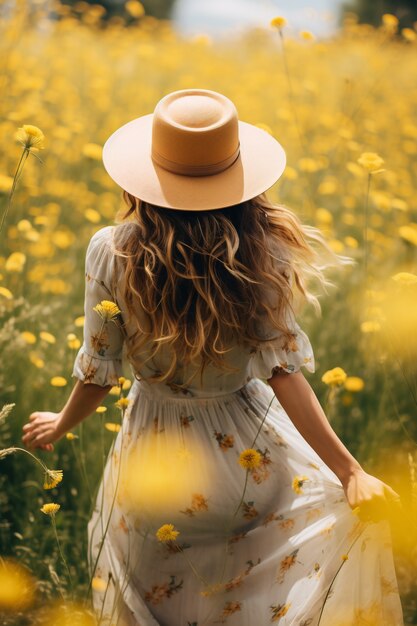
{"x":188,"y":531}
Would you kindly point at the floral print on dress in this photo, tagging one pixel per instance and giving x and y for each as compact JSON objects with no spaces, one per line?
{"x":293,"y":523}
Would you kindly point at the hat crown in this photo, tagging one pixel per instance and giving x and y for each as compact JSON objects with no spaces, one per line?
{"x":194,"y":111}
{"x":195,"y":132}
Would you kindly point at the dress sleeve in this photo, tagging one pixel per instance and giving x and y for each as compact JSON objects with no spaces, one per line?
{"x":281,"y":355}
{"x":99,"y":360}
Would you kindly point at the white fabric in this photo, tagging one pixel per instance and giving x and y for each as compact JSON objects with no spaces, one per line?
{"x":280,"y":551}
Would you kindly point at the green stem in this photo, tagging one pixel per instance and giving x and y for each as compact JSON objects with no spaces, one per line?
{"x":16,"y":177}
{"x":111,"y":512}
{"x":61,"y":553}
{"x":338,"y":570}
{"x":365,"y":231}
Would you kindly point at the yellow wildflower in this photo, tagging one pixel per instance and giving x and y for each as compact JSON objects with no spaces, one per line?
{"x":73,"y":342}
{"x":121,"y":380}
{"x":71,"y":436}
{"x":17,"y":586}
{"x":15,"y":262}
{"x":135,"y":8}
{"x":101,"y":409}
{"x":50,"y":508}
{"x":278,"y":22}
{"x":334,"y":377}
{"x":409,"y":34}
{"x":52,"y":478}
{"x":298,"y":482}
{"x":58,"y":381}
{"x":6,"y":293}
{"x":354,"y":383}
{"x":371,"y":161}
{"x":28,"y":336}
{"x":370,"y":326}
{"x":79,"y":321}
{"x":31,"y":137}
{"x":48,"y":337}
{"x":92,"y":151}
{"x":167,"y":533}
{"x":107,"y":310}
{"x":409,"y":233}
{"x":114,"y":428}
{"x":307,"y":35}
{"x":122,"y":403}
{"x":98,"y":584}
{"x":405,"y":278}
{"x":250,"y":458}
{"x":390,"y":20}
{"x":6,"y":183}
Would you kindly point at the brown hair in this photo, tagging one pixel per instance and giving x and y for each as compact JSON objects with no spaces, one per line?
{"x":204,"y":280}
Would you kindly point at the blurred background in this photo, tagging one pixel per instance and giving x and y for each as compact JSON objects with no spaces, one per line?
{"x":336,"y":83}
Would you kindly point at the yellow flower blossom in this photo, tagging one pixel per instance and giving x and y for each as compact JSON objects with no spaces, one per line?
{"x":307,"y":35}
{"x":122,"y":403}
{"x":167,"y":533}
{"x":73,"y":342}
{"x":390,"y":20}
{"x":354,"y":383}
{"x":48,"y":337}
{"x":409,"y":233}
{"x":298,"y":482}
{"x":58,"y":381}
{"x":71,"y":436}
{"x":52,"y":478}
{"x":17,"y":586}
{"x":250,"y":458}
{"x":79,"y":321}
{"x":121,"y":380}
{"x":278,"y":22}
{"x":101,"y":409}
{"x":107,"y":310}
{"x":112,"y":427}
{"x":6,"y":183}
{"x":6,"y":293}
{"x":28,"y":336}
{"x":334,"y":377}
{"x":31,"y":137}
{"x":92,"y":151}
{"x":405,"y":278}
{"x":409,"y":34}
{"x":371,"y":161}
{"x":370,"y":326}
{"x":135,"y":8}
{"x":51,"y":508}
{"x":98,"y":584}
{"x":15,"y":262}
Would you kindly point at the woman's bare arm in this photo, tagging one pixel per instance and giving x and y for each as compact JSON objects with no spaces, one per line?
{"x":46,"y":427}
{"x":301,"y":404}
{"x":373,"y":498}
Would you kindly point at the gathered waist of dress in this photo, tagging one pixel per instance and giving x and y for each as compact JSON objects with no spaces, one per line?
{"x":174,"y":392}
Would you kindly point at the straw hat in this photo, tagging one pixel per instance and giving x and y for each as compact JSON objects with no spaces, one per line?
{"x":193,"y":153}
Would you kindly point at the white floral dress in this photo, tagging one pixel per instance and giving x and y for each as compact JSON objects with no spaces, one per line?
{"x":274,"y":543}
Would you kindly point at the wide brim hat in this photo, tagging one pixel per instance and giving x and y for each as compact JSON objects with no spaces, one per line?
{"x":193,"y":153}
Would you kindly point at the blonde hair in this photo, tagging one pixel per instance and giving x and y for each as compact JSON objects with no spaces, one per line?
{"x":198,"y":281}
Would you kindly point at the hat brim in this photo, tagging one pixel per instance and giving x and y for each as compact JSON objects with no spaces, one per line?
{"x":127,"y":159}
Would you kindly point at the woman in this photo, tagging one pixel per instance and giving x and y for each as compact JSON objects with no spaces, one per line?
{"x":229,"y":500}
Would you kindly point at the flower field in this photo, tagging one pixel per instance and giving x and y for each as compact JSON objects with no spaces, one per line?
{"x":344,"y":110}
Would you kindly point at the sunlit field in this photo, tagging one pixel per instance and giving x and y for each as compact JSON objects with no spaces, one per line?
{"x":345,"y":111}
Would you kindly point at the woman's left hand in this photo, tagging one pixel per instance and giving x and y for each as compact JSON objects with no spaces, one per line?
{"x":376,"y":500}
{"x":42,"y":430}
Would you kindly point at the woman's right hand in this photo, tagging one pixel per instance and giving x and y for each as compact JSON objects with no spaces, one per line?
{"x":376,"y":500}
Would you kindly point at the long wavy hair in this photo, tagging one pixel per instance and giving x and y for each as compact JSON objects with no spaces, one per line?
{"x":198,"y":282}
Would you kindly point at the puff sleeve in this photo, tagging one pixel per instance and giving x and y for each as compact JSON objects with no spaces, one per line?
{"x":99,"y":360}
{"x":279,"y":354}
